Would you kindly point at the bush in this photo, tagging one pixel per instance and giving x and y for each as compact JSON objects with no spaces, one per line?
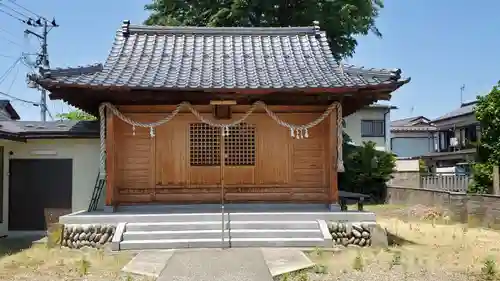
{"x":367,"y":170}
{"x":482,"y":178}
{"x":422,"y":167}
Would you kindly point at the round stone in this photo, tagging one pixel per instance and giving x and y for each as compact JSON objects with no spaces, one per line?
{"x":356,"y":233}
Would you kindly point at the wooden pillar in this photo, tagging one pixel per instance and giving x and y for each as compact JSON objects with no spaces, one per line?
{"x":333,"y":194}
{"x":110,"y":160}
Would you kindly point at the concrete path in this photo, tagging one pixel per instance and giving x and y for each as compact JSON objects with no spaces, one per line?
{"x":216,"y":265}
{"x":283,"y":260}
{"x":149,"y":263}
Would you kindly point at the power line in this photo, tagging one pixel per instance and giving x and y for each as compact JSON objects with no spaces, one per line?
{"x":14,"y":10}
{"x":9,"y":70}
{"x":27,"y":10}
{"x":7,"y":39}
{"x":12,"y":16}
{"x":7,"y":56}
{"x":6,"y":31}
{"x":13,"y":79}
{"x":18,"y":99}
{"x":10,"y":41}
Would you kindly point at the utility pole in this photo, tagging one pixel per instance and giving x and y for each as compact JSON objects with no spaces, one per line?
{"x":462,"y":89}
{"x":43,"y":60}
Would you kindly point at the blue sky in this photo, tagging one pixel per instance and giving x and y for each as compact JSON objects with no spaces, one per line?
{"x":441,"y":45}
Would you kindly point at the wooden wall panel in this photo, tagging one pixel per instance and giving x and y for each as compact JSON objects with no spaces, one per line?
{"x":308,"y":164}
{"x":239,"y":175}
{"x":286,"y":169}
{"x":204,"y":175}
{"x":172,"y":142}
{"x":134,"y":160}
{"x":273,"y":159}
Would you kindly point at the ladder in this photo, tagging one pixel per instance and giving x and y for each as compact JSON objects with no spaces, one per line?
{"x":96,"y":194}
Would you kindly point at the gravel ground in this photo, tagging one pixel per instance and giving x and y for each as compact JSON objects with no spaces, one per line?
{"x":441,"y":250}
{"x":376,"y":273}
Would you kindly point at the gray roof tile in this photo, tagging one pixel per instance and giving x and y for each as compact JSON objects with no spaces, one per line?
{"x":404,"y":121}
{"x":7,"y":106}
{"x":465,"y":108}
{"x":412,"y":124}
{"x":64,"y":128}
{"x":225,"y":57}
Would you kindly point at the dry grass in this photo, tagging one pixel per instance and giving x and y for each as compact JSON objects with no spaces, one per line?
{"x":442,"y":250}
{"x":41,"y":263}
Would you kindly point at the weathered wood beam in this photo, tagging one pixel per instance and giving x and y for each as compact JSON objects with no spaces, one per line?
{"x":110,"y":160}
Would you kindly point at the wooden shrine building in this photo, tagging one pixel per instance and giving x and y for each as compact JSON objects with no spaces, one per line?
{"x":173,"y":98}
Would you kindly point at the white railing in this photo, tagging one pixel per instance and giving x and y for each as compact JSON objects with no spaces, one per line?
{"x":445,"y":182}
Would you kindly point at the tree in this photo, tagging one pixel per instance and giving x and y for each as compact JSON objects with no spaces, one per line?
{"x":367,"y":170}
{"x":76,"y":115}
{"x":341,"y":19}
{"x":487,"y":111}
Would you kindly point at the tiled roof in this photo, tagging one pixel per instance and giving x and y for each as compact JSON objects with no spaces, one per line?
{"x":405,"y":121}
{"x":386,"y":106}
{"x":52,"y":129}
{"x":411,"y":124}
{"x":466,"y":108}
{"x":7,"y":106}
{"x":413,"y":129}
{"x":191,"y":58}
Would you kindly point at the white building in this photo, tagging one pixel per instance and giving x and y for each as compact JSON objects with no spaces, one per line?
{"x":370,"y":124}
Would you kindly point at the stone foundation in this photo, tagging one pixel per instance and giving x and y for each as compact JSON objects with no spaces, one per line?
{"x":350,"y":234}
{"x":86,"y":235}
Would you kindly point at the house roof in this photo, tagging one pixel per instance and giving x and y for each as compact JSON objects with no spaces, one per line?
{"x":22,"y":130}
{"x":7,"y":106}
{"x":412,"y":124}
{"x":386,"y":106}
{"x":465,"y":109}
{"x":236,"y":58}
{"x":407,"y":121}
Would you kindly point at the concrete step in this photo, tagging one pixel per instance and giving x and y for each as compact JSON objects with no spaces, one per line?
{"x":259,"y":224}
{"x":274,"y":233}
{"x":217,"y":243}
{"x":216,"y":234}
{"x":278,"y":242}
{"x":168,"y":234}
{"x":172,"y":244}
{"x":217,"y":225}
{"x":174,"y":226}
{"x":115,"y":218}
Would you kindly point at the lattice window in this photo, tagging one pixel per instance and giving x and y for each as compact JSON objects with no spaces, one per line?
{"x":204,"y":145}
{"x":239,"y":145}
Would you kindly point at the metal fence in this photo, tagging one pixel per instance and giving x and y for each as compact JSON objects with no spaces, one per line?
{"x":445,"y":182}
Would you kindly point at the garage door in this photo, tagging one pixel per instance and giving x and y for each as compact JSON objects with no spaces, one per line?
{"x":37,"y":185}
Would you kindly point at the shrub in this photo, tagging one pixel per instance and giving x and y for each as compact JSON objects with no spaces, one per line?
{"x":367,"y":170}
{"x":482,"y":178}
{"x":422,"y":167}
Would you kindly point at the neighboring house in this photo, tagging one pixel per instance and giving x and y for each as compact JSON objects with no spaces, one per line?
{"x":413,"y":136}
{"x":47,"y":166}
{"x":456,"y":135}
{"x":370,"y":124}
{"x":7,"y":112}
